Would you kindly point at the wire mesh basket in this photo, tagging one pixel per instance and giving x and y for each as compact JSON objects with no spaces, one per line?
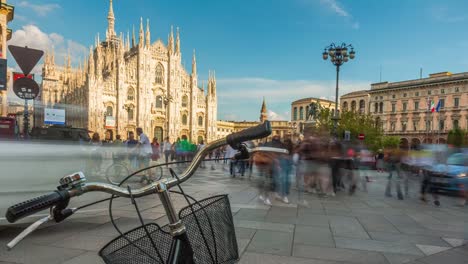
{"x":210,"y":229}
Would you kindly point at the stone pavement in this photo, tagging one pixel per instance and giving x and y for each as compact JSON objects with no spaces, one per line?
{"x":363,"y":228}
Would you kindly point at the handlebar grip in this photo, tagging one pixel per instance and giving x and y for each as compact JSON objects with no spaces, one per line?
{"x":259,"y":131}
{"x":34,"y":205}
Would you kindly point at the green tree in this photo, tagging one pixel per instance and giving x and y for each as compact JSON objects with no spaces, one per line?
{"x":390,"y":142}
{"x":457,"y":137}
{"x":356,"y":123}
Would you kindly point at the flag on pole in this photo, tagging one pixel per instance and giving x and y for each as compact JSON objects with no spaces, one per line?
{"x":432,"y":106}
{"x":437,"y":108}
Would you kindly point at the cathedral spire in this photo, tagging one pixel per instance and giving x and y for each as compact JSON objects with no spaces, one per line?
{"x":170,"y":44}
{"x":91,"y":61}
{"x":148,"y":36}
{"x":177,"y":45}
{"x":141,"y":40}
{"x":263,"y":112}
{"x":52,"y":57}
{"x":194,"y":64}
{"x":127,"y":46}
{"x":111,"y":23}
{"x":69,"y":60}
{"x":133,"y":37}
{"x":47,"y":57}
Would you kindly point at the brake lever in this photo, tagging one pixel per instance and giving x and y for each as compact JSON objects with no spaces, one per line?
{"x":56,"y":213}
{"x":28,"y":231}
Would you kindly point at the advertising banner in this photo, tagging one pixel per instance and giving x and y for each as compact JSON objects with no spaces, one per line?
{"x":110,"y":122}
{"x":54,"y":116}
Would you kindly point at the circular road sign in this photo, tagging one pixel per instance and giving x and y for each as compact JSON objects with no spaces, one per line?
{"x":26,"y":88}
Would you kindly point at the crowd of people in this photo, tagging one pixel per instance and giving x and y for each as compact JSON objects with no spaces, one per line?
{"x":138,"y":152}
{"x":323,"y":166}
{"x":317,"y":165}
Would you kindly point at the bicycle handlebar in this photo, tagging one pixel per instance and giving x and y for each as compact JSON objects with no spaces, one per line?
{"x":32,"y":206}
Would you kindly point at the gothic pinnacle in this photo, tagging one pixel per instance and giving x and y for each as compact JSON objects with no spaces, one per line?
{"x":148,"y":37}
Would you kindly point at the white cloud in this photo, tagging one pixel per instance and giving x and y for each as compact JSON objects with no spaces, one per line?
{"x":275,"y":116}
{"x":336,"y":7}
{"x":241,"y":98}
{"x":41,"y":10}
{"x":446,"y":15}
{"x":33,"y":37}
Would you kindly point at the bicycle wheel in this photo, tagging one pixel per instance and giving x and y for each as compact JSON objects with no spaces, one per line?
{"x":116,"y":173}
{"x":153,"y":174}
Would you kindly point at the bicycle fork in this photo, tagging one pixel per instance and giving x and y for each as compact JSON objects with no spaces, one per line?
{"x":181,"y":250}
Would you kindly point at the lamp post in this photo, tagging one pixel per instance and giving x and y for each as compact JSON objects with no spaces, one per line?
{"x":338,"y":56}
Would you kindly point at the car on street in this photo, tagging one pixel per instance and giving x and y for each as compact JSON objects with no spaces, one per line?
{"x":452,"y":175}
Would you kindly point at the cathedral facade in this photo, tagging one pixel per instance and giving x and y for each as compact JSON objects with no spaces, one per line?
{"x":127,"y":83}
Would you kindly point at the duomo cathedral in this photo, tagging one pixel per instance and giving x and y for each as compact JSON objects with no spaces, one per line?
{"x":129,"y":82}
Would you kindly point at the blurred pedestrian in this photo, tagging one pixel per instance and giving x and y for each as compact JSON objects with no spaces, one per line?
{"x":118,"y":153}
{"x":167,"y":149}
{"x":144,"y":155}
{"x":156,"y":148}
{"x":321,"y":157}
{"x":286,"y":164}
{"x":265,"y":161}
{"x":217,"y":155}
{"x":230,"y":153}
{"x":95,"y":154}
{"x":393,"y":161}
{"x":177,"y":151}
{"x":336,"y":165}
{"x":131,"y":144}
{"x":307,"y":166}
{"x":379,"y":161}
{"x":199,"y":148}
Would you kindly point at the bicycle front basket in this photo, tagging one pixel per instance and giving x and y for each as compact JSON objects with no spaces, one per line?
{"x":211,"y":233}
{"x":135,"y":247}
{"x":210,"y":229}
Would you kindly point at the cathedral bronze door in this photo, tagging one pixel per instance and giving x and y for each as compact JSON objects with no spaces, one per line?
{"x":158,"y":133}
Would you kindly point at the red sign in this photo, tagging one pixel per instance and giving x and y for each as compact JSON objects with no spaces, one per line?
{"x":17,"y":75}
{"x":361,"y":136}
{"x":7,"y":127}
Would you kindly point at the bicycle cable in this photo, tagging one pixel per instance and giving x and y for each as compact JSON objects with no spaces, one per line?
{"x":215,"y":260}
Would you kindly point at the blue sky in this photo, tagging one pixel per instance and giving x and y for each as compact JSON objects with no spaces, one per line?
{"x":270,"y":48}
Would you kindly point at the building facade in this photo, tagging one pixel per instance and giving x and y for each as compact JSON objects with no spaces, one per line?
{"x":404,"y":108}
{"x":279,"y":127}
{"x":130,"y":83}
{"x":7,"y":13}
{"x":300,"y":108}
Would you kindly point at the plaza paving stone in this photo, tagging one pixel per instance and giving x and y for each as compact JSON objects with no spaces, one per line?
{"x":364,"y":228}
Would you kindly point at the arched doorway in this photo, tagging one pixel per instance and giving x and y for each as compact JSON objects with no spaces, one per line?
{"x":199,"y":139}
{"x":184,"y":132}
{"x":442,"y":141}
{"x":415,"y":142}
{"x":158,"y":133}
{"x":109,"y":136}
{"x":128,"y":130}
{"x":427,"y":141}
{"x":404,"y":144}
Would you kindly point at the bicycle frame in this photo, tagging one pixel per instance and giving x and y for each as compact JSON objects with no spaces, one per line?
{"x":76,"y":185}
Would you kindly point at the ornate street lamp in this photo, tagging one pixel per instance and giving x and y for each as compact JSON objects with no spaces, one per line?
{"x":338,"y":55}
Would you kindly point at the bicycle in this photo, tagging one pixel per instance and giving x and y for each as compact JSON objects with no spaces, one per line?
{"x":119,"y":170}
{"x":202,"y":232}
